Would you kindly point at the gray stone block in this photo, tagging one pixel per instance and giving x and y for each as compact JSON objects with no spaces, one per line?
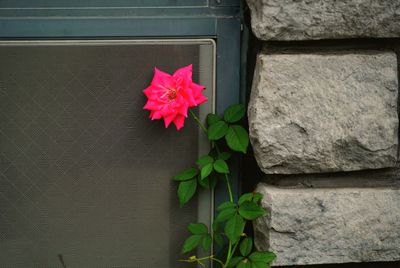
{"x":316,"y":226}
{"x":312,"y":113}
{"x":316,"y":19}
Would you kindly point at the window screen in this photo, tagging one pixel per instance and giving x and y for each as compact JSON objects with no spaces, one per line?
{"x":85,"y":175}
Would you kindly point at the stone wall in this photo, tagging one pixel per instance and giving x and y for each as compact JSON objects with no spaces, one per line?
{"x":323,"y":121}
{"x":316,"y":19}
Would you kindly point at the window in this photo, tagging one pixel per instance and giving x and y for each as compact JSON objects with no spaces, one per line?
{"x":85,"y":176}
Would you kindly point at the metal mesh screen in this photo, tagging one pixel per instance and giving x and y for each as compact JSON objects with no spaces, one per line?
{"x":85,"y":176}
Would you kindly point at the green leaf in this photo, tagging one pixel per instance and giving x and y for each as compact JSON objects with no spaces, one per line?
{"x":262,"y":256}
{"x":186,"y":174}
{"x":198,"y":228}
{"x":226,"y":205}
{"x":206,"y":242}
{"x":246,"y":246}
{"x":259,"y":264}
{"x":234,"y":228}
{"x":217,"y":130}
{"x":191,"y":243}
{"x":250,"y":210}
{"x":209,"y":182}
{"x":234,"y":261}
{"x":206,"y":170}
{"x":257,"y":197}
{"x":212,"y":118}
{"x":221,"y":166}
{"x":237,"y":138}
{"x":254,"y":197}
{"x":205,"y":183}
{"x":234,"y":113}
{"x":245,"y":197}
{"x":186,"y":190}
{"x":225,"y":214}
{"x":204,"y":160}
{"x":224,"y":156}
{"x":219,"y":239}
{"x":244,"y":264}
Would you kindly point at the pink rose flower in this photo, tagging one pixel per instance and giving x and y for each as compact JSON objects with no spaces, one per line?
{"x":170,"y":96}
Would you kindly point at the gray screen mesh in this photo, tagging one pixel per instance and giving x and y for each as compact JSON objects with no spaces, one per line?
{"x":83,"y":172}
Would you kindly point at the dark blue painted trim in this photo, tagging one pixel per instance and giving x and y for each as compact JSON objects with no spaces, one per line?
{"x":225,"y":3}
{"x":118,"y":8}
{"x":228,"y":59}
{"x":228,"y":84}
{"x":119,"y":12}
{"x":114,"y":27}
{"x":98,"y":3}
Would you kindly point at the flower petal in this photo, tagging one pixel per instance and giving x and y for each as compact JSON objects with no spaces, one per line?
{"x":197,"y":89}
{"x":168,"y":119}
{"x":183,"y":110}
{"x":184,"y":75}
{"x":201,"y":99}
{"x":179,"y":121}
{"x":170,"y":97}
{"x":150,"y":105}
{"x":155,"y":115}
{"x":160,"y":78}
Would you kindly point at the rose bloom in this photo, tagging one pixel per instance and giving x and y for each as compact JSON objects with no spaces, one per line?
{"x":170,"y":96}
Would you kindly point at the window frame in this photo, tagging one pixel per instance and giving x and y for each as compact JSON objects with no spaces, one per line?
{"x":218,"y":20}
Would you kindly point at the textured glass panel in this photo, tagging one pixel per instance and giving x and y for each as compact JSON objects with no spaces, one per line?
{"x":85,"y":176}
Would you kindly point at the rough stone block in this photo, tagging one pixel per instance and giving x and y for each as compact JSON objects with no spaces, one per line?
{"x":316,"y":19}
{"x":316,"y":226}
{"x":312,"y":113}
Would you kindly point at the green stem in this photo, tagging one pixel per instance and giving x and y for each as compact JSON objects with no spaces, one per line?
{"x":219,"y":261}
{"x":198,"y":121}
{"x":228,"y":184}
{"x":229,"y":257}
{"x":198,"y":260}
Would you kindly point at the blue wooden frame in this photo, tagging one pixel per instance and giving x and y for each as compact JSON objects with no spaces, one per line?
{"x":89,"y":19}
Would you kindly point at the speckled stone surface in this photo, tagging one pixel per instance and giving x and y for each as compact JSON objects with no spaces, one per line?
{"x":313,"y":113}
{"x":316,"y":19}
{"x":316,"y":226}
